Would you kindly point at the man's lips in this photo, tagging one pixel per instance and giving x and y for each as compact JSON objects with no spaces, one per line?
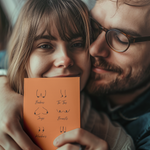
{"x":100,"y":70}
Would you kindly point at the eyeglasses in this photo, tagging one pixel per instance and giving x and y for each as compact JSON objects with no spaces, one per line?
{"x":116,"y":39}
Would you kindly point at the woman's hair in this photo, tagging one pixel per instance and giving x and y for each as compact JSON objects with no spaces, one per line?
{"x":71,"y":17}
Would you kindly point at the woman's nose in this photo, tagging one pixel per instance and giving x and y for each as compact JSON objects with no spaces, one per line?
{"x":63,"y":60}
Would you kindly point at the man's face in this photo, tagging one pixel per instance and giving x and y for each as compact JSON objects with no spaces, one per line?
{"x":115,"y":72}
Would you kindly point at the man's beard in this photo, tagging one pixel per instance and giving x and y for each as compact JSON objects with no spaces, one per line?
{"x":129,"y":83}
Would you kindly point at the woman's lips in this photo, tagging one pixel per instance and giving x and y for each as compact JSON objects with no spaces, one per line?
{"x":68,"y":75}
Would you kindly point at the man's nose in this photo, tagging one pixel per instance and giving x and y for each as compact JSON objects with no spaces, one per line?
{"x":63,"y":60}
{"x":100,"y":48}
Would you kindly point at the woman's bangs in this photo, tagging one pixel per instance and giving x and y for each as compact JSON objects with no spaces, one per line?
{"x":68,"y":23}
{"x":45,"y":25}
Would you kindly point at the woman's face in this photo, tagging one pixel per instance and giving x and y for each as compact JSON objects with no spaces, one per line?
{"x":53,"y":57}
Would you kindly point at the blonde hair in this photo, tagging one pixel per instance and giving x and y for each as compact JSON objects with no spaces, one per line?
{"x":71,"y":17}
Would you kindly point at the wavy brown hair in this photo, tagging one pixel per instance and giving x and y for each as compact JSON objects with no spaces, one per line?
{"x":71,"y":17}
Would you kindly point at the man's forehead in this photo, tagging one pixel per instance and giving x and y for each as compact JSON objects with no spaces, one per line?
{"x":138,"y":3}
{"x":130,"y":2}
{"x":111,"y":15}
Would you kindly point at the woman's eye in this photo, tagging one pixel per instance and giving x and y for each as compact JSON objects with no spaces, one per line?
{"x":77,"y":45}
{"x":45,"y":46}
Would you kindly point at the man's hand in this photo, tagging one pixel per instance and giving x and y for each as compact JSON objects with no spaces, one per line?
{"x":88,"y":140}
{"x":12,"y":135}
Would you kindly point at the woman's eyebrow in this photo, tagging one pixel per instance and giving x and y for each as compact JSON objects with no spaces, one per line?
{"x":75,"y":36}
{"x":48,"y":37}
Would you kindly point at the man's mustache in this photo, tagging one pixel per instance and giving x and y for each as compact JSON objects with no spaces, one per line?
{"x":103,"y":64}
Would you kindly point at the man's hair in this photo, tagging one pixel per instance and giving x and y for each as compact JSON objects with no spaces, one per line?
{"x":71,"y":17}
{"x":138,"y":3}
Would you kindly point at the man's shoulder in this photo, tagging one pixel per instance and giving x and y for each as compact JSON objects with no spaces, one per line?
{"x":139,"y":129}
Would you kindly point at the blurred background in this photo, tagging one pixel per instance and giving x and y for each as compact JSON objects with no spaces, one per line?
{"x":9,"y":11}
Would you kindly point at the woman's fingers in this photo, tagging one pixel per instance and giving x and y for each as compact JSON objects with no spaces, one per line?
{"x":15,"y":136}
{"x":81,"y":137}
{"x":20,"y":137}
{"x":69,"y":147}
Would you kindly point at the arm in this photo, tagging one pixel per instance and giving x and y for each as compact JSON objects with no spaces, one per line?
{"x":12,"y":135}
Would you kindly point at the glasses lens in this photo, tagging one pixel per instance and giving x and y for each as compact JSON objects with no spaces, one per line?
{"x":96,"y":30}
{"x":117,"y":41}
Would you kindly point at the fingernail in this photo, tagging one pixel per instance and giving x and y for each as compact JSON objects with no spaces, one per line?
{"x":55,"y":142}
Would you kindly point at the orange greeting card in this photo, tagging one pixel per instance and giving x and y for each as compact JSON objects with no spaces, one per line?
{"x":51,"y":107}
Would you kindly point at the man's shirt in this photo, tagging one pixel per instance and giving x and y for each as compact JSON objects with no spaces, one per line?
{"x":134,"y":117}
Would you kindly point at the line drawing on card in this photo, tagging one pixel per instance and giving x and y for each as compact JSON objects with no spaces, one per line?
{"x":62,"y":129}
{"x":62,"y":111}
{"x":40,"y":111}
{"x":61,"y":102}
{"x":39,"y":130}
{"x":40,"y":95}
{"x":62,"y":94}
{"x":64,"y":102}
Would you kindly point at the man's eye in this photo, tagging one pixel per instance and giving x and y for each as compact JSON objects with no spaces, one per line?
{"x":121,"y":39}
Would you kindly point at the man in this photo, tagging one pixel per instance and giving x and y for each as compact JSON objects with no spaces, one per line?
{"x":120,"y":73}
{"x":121,"y":65}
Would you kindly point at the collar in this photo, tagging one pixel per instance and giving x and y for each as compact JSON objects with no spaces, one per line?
{"x":133,"y":110}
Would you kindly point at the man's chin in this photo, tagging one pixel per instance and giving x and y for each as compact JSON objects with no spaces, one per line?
{"x":93,"y":88}
{"x":103,"y":87}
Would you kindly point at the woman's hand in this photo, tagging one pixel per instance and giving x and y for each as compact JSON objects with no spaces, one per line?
{"x":79,"y":136}
{"x":12,"y":135}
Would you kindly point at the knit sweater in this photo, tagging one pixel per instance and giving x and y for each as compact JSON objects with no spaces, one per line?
{"x":100,"y":125}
